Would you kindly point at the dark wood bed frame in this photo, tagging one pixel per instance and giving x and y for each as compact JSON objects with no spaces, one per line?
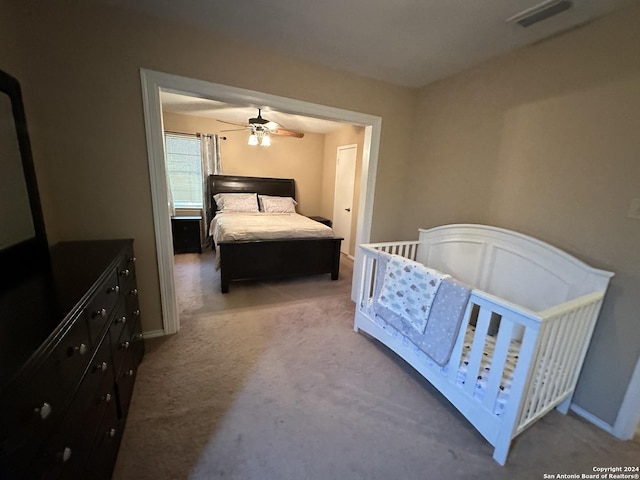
{"x":267,"y":259}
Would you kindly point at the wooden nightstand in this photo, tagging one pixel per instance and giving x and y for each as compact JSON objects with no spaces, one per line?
{"x":186,"y":234}
{"x":326,"y":221}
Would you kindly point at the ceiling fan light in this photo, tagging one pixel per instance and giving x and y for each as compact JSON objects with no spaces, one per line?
{"x":265,"y":141}
{"x":253,"y":139}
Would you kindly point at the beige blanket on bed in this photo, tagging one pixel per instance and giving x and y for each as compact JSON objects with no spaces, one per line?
{"x":233,"y":226}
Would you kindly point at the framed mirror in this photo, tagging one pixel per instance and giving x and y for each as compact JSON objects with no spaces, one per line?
{"x":23,"y":240}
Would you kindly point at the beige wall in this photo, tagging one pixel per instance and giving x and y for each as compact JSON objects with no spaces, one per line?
{"x":287,"y":157}
{"x":545,"y":141}
{"x":15,"y":61}
{"x":81,"y":79}
{"x":347,"y":135}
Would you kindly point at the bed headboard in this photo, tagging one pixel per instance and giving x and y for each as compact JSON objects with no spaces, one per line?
{"x":279,"y":187}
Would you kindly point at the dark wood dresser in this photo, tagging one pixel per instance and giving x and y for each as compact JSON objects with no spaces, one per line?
{"x":70,"y":346}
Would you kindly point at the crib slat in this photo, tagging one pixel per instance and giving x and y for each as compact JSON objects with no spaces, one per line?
{"x":523,"y":380}
{"x":366,"y":281}
{"x":554,"y":367}
{"x":577,"y":323}
{"x":532,"y":389}
{"x":569,"y":321}
{"x":456,"y":353}
{"x":542,"y":374}
{"x":477,"y":349}
{"x":496,"y":368}
{"x":539,"y":373}
{"x":578,"y":351}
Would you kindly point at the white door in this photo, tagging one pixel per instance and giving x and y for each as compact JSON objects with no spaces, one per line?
{"x":343,"y":196}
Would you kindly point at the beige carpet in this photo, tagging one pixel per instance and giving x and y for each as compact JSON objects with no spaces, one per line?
{"x":271,"y":382}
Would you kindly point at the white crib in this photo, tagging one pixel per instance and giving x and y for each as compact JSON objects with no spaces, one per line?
{"x":526,"y":293}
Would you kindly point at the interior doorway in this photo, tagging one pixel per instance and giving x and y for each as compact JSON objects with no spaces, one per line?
{"x":154,"y":82}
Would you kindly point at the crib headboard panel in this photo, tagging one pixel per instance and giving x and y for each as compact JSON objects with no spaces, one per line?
{"x":510,"y":265}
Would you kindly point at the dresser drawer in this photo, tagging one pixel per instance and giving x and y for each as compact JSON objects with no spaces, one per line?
{"x":28,"y":417}
{"x":120,"y":322}
{"x":67,"y":451}
{"x":101,"y":306}
{"x":120,"y":347}
{"x":104,"y":450}
{"x":137,"y":341}
{"x":125,"y":382}
{"x":99,"y":375}
{"x":73,"y":352}
{"x":127,"y":272}
{"x":131,"y":301}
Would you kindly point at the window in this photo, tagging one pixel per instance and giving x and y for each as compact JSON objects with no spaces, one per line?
{"x":185,"y":170}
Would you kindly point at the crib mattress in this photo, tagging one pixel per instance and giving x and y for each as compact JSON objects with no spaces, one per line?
{"x":461,"y":376}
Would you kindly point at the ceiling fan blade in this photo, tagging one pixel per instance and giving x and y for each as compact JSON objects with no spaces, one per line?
{"x":233,"y":123}
{"x":287,"y":133}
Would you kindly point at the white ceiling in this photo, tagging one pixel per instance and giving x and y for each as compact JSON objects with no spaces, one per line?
{"x":202,"y":107}
{"x":404,"y":42}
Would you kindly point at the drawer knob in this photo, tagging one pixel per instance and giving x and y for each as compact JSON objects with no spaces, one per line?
{"x":125,"y":273}
{"x":131,"y":260}
{"x":125,"y":345}
{"x":44,"y":411}
{"x":111,"y":433}
{"x":81,"y":349}
{"x":136,"y":312}
{"x":134,"y":292}
{"x":129,"y":372}
{"x":101,"y":367}
{"x":106,"y":397}
{"x":115,"y":289}
{"x":101,"y":313}
{"x":139,"y":336}
{"x":66,"y":454}
{"x":122,"y":319}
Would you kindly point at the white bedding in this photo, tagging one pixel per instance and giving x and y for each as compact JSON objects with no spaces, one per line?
{"x":265,"y":226}
{"x":234,"y":226}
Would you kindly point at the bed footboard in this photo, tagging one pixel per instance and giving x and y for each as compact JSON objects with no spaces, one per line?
{"x":267,"y":259}
{"x":499,"y":392}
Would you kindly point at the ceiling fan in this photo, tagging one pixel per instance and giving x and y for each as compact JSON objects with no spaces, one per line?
{"x":261,"y":128}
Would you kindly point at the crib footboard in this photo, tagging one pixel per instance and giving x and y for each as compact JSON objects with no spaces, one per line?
{"x":509,"y":365}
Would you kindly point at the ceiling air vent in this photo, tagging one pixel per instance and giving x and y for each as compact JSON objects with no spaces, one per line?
{"x":540,"y":12}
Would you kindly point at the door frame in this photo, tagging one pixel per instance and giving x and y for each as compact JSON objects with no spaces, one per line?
{"x":153,"y":82}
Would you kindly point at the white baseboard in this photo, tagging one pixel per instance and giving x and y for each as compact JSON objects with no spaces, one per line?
{"x":592,"y":419}
{"x":154,"y":333}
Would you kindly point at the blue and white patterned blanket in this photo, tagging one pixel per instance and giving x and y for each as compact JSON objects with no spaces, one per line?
{"x":409,"y":289}
{"x":442,"y":323}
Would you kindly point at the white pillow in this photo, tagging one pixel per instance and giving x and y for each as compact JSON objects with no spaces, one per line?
{"x":269,"y":204}
{"x":236,"y":202}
